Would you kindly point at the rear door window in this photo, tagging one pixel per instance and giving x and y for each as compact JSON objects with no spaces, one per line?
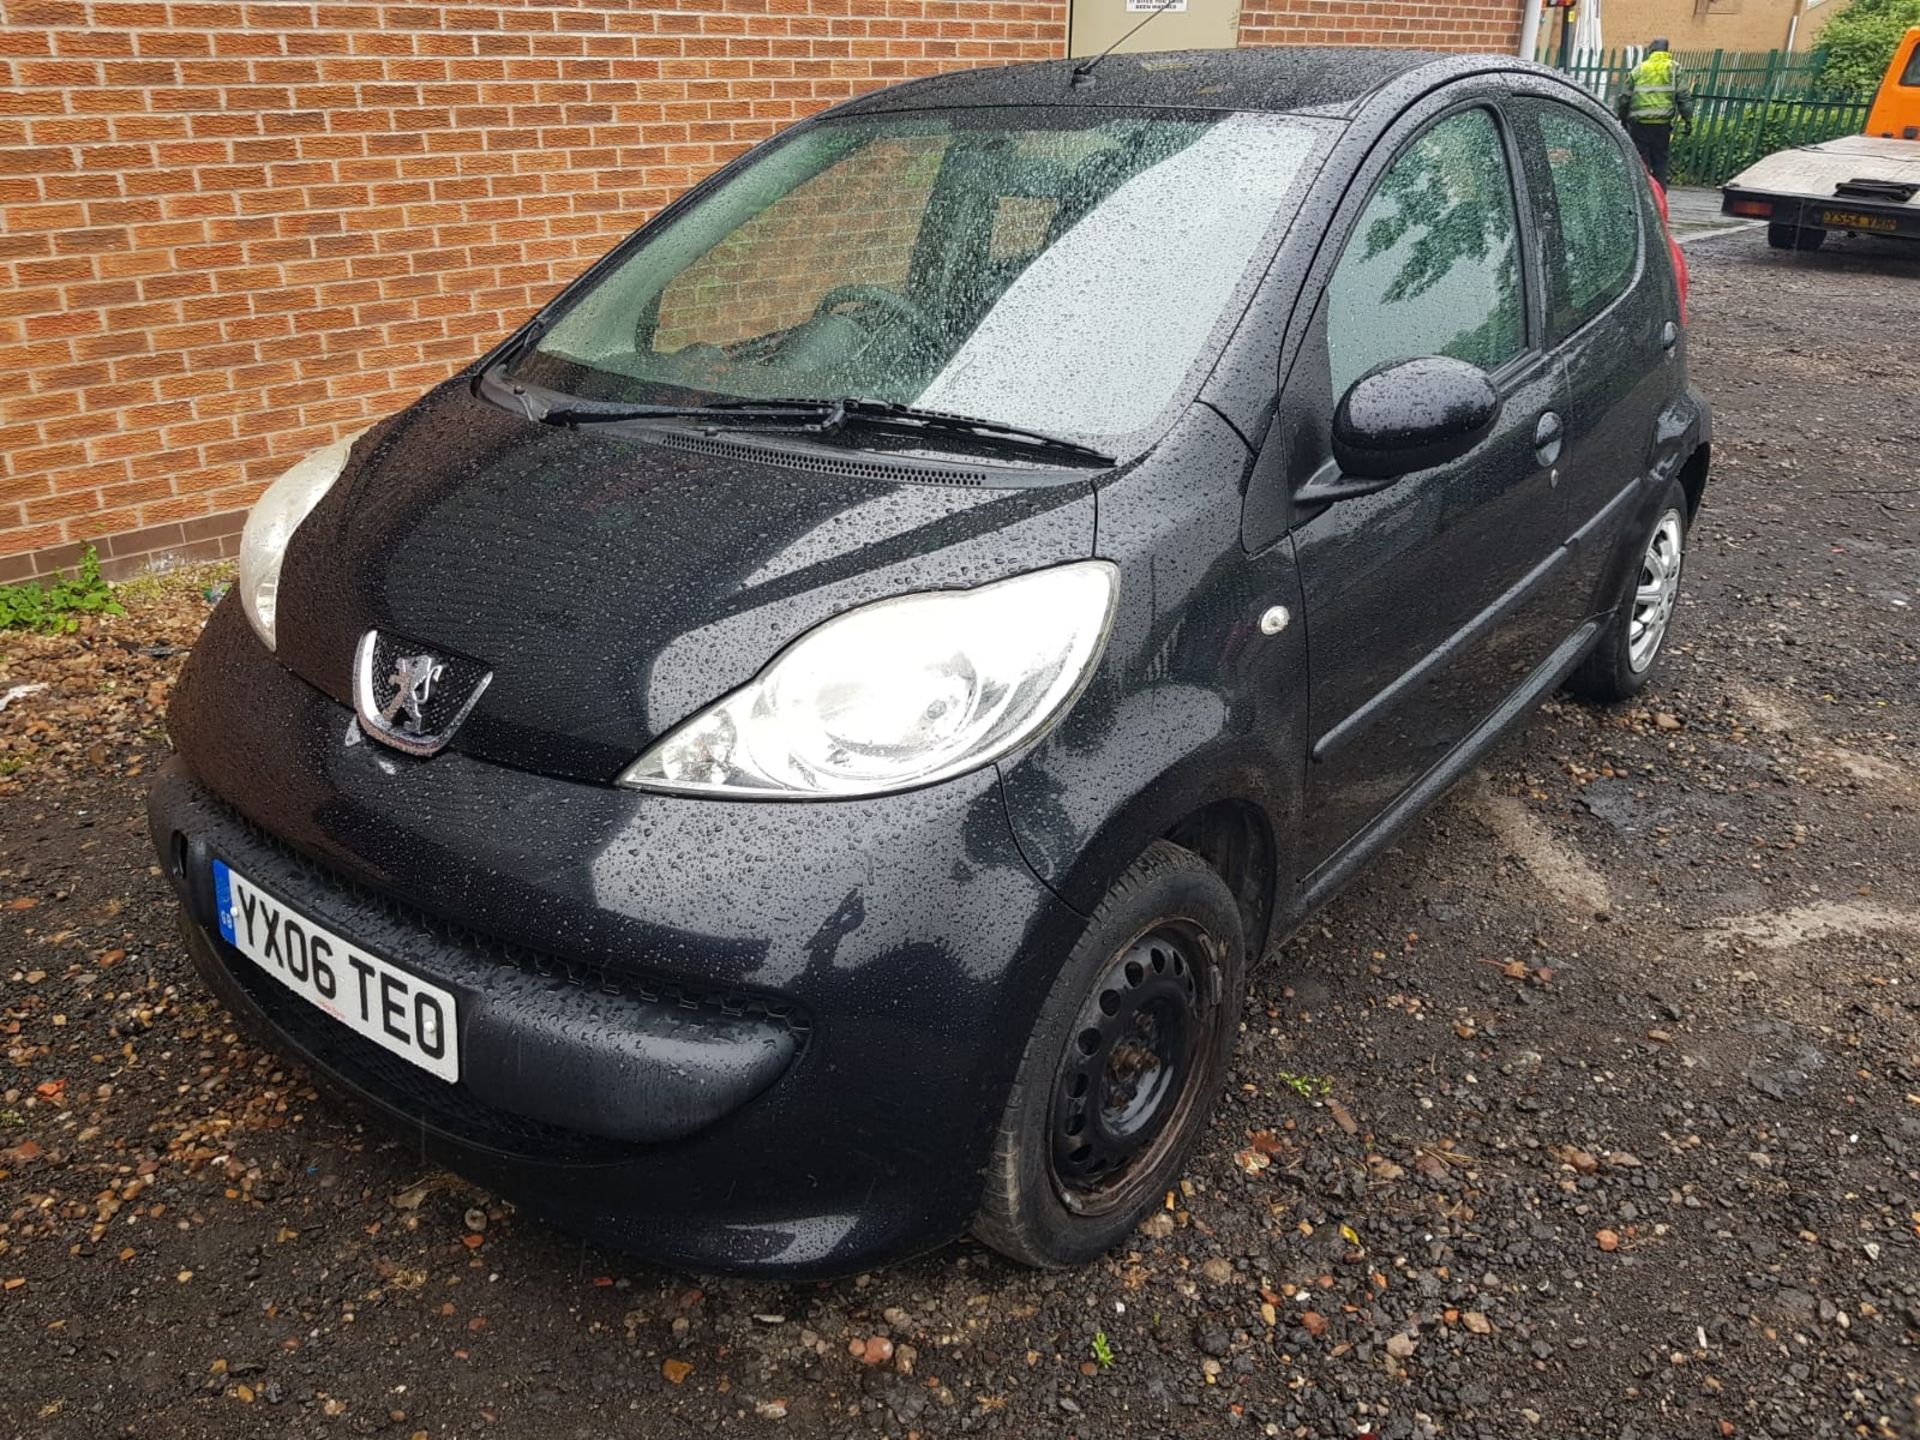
{"x":1433,"y":267}
{"x":1590,"y":214}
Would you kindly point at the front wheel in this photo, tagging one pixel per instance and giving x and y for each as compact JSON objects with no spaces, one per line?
{"x":1123,"y":1066}
{"x":1622,"y":663}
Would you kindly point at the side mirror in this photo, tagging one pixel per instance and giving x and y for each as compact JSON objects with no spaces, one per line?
{"x":1407,"y":416}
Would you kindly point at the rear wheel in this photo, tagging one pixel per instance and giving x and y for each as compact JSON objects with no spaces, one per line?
{"x":1622,"y":663}
{"x":1123,"y":1067}
{"x":1795,"y":237}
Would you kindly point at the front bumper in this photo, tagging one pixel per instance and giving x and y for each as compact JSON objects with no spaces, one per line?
{"x":734,"y":1036}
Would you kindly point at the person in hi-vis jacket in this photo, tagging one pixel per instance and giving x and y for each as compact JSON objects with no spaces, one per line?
{"x":1654,"y":100}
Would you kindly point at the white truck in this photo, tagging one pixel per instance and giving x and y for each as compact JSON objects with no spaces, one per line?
{"x":1861,"y":184}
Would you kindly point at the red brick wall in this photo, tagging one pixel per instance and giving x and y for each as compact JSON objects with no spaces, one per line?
{"x":232,"y":231}
{"x":1489,"y":25}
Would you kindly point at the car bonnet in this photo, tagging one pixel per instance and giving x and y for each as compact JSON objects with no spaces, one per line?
{"x":610,"y":585}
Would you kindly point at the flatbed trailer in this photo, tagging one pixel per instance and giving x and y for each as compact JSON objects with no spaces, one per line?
{"x":1859,"y":184}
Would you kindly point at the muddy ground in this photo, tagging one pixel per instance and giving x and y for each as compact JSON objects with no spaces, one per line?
{"x":1593,"y":1109}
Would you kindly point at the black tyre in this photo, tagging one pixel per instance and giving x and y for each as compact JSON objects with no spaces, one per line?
{"x":1795,"y":237}
{"x":1622,"y":663}
{"x":1123,"y":1066}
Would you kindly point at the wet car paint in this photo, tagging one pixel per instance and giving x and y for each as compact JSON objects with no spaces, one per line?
{"x":888,"y":926}
{"x":616,"y":586}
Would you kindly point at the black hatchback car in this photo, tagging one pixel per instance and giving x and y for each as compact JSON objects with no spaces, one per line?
{"x":789,"y":757}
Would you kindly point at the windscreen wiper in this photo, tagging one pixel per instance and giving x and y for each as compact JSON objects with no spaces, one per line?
{"x":509,"y":354}
{"x":824,"y":417}
{"x":811,"y":415}
{"x":892,"y":412}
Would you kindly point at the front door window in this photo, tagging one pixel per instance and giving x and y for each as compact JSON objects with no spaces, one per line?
{"x":1433,"y":267}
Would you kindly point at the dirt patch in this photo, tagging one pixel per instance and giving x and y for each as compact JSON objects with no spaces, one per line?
{"x":1804,"y":924}
{"x":1782,"y":716}
{"x":1563,"y":870}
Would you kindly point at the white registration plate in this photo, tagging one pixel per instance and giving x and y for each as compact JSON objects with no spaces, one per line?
{"x":372,"y":997}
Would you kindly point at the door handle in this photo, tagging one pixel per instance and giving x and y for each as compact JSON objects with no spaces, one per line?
{"x":1547,"y":436}
{"x":1669,"y":336}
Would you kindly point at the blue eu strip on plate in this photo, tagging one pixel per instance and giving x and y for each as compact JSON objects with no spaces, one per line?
{"x":223,"y":900}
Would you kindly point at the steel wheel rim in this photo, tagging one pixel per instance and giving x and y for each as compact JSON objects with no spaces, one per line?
{"x":1657,"y":591}
{"x":1136,"y":1061}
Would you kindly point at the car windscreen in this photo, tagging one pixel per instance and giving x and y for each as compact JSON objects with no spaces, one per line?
{"x":1056,"y":269}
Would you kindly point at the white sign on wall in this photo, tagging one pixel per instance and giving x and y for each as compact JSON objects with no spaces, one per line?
{"x":1142,"y":6}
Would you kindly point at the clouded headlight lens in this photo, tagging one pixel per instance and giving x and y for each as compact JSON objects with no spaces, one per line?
{"x":271,"y":523}
{"x":899,"y":693}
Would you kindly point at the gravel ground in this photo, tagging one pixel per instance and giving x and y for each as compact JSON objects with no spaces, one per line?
{"x":1592,"y":1109}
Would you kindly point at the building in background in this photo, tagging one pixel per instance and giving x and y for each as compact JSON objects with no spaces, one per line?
{"x":232,"y":230}
{"x":1690,"y":25}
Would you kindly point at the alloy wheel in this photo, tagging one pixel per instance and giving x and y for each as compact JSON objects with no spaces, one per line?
{"x":1657,"y":592}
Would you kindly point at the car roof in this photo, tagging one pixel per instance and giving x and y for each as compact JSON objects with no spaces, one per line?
{"x":1326,"y":79}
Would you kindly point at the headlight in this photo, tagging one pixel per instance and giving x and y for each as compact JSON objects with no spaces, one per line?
{"x":271,"y":523}
{"x":897,"y":694}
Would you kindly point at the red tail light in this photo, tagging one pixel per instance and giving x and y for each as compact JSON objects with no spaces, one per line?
{"x":1679,"y":256}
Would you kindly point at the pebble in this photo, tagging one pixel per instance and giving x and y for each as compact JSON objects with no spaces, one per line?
{"x":1212,"y":1337}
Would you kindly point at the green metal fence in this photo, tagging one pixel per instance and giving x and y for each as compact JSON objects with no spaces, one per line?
{"x":1746,"y":104}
